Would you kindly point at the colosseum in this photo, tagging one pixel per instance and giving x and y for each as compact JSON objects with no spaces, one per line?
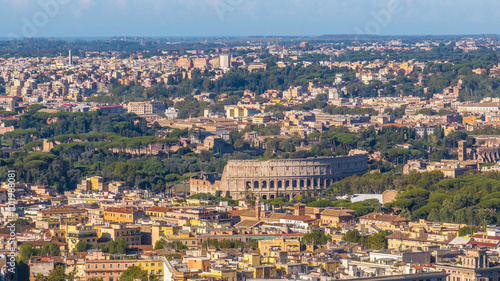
{"x":287,"y":177}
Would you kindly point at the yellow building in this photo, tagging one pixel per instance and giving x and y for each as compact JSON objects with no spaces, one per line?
{"x":251,"y":259}
{"x":404,"y":241}
{"x":261,"y":118}
{"x":469,"y":120}
{"x":122,"y":215}
{"x":65,"y":211}
{"x":193,"y":202}
{"x":220,"y":274}
{"x":188,"y":239}
{"x":278,"y":244}
{"x":97,"y":182}
{"x":158,"y":212}
{"x":132,"y":235}
{"x":159,"y":232}
{"x":77,"y":233}
{"x":56,"y":225}
{"x":92,"y":184}
{"x":276,"y":257}
{"x":152,"y":266}
{"x":263,"y":271}
{"x":329,"y":266}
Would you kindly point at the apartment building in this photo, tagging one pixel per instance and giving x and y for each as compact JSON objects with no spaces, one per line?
{"x":473,"y":266}
{"x":115,"y":231}
{"x":146,"y":108}
{"x":278,"y":244}
{"x":107,"y":269}
{"x":123,"y":215}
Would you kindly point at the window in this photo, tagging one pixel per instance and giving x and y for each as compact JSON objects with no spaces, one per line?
{"x":103,"y":265}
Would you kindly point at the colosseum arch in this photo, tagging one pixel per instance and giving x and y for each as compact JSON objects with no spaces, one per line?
{"x":288,"y":176}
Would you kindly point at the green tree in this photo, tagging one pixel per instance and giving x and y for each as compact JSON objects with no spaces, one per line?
{"x":82,"y":246}
{"x":117,"y":247}
{"x":253,"y":244}
{"x":26,"y":251}
{"x":378,"y":241}
{"x":21,"y":222}
{"x":51,"y":249}
{"x":133,"y":273}
{"x":316,"y":238}
{"x":160,"y":244}
{"x":352,"y":236}
{"x":466,"y":230}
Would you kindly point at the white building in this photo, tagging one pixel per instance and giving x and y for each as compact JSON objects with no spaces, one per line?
{"x":225,"y":61}
{"x":171,"y":112}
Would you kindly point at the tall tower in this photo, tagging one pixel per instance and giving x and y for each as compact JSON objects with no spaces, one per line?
{"x":462,"y":150}
{"x":299,"y":209}
{"x":70,"y":60}
{"x":225,"y":61}
{"x":257,"y":209}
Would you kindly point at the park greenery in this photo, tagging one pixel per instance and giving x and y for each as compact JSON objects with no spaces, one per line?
{"x":376,"y":241}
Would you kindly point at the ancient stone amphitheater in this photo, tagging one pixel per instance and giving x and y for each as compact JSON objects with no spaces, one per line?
{"x":287,"y":177}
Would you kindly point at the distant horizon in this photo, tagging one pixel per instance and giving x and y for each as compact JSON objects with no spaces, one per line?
{"x":237,"y":18}
{"x":85,"y":38}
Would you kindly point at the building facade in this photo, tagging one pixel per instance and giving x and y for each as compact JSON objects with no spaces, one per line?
{"x":286,"y":177}
{"x":146,"y":108}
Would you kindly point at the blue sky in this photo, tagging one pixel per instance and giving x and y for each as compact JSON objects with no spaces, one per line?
{"x":91,"y":18}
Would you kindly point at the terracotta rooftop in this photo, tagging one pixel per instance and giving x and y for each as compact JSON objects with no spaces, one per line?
{"x":159,"y":209}
{"x":120,"y":210}
{"x":298,"y":218}
{"x":338,"y":212}
{"x":247,"y":224}
{"x":384,"y":217}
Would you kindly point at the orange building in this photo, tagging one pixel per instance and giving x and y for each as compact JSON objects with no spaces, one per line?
{"x":123,"y":215}
{"x":202,"y":264}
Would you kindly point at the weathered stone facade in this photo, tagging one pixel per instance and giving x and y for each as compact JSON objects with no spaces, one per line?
{"x":286,"y":177}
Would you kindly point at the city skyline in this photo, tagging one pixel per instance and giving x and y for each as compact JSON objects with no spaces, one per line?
{"x":174,"y":18}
